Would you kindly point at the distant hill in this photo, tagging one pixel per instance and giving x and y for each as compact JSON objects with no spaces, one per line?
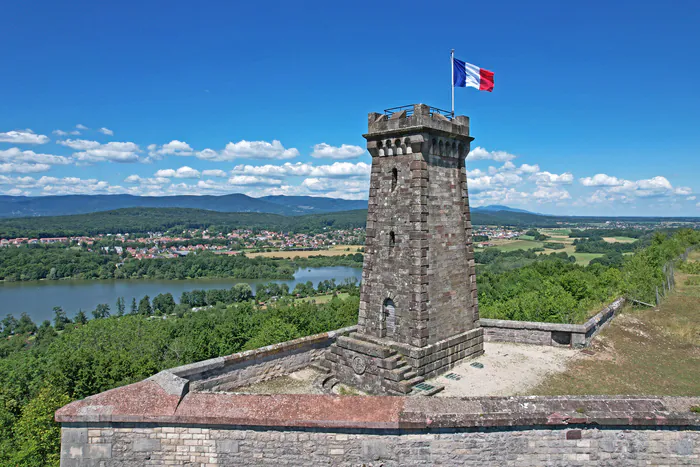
{"x":143,"y":220}
{"x":28,"y":206}
{"x":499,"y":207}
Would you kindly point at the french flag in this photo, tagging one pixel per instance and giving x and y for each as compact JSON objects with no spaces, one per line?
{"x":467,"y":75}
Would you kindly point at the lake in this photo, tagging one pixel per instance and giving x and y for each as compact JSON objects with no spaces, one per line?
{"x":38,"y":298}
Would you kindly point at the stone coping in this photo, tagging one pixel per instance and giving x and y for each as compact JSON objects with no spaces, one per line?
{"x":147,"y":402}
{"x":592,"y":323}
{"x":192,"y":370}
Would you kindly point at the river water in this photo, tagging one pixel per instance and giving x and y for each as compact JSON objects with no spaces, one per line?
{"x":38,"y":298}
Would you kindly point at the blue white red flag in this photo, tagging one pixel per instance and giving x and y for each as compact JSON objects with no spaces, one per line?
{"x":468,"y":75}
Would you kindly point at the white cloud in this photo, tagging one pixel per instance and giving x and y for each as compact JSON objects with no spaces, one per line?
{"x":22,"y":168}
{"x":114,"y":152}
{"x":691,"y":198}
{"x":80,"y":126}
{"x":250,"y":150}
{"x":346,"y":151}
{"x":334,"y":188}
{"x":601,"y":180}
{"x":479,"y":154}
{"x":214,"y":173}
{"x":65,"y":133}
{"x":182,"y":172}
{"x":550,"y":193}
{"x":106,"y":131}
{"x":79,"y":144}
{"x":335,"y":170}
{"x":173,"y":148}
{"x":550,"y":179}
{"x":342,"y":169}
{"x":23,"y":137}
{"x":245,"y":180}
{"x":25,"y":157}
{"x":527,"y":168}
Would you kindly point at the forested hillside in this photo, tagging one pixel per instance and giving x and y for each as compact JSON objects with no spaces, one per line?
{"x":144,"y":220}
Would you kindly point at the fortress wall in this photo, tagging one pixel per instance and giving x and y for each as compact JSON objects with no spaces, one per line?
{"x":253,"y":366}
{"x":146,"y":426}
{"x":240,"y":446}
{"x":528,"y":332}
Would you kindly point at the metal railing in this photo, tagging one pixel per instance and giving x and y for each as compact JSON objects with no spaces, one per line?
{"x":409,"y":111}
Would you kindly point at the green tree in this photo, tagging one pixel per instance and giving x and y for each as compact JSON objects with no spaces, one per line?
{"x":101,"y":311}
{"x":163,"y":304}
{"x":25,"y":324}
{"x":59,"y":318}
{"x":145,"y":306}
{"x":120,"y":306}
{"x":9,"y":325}
{"x":134,"y":309}
{"x":46,"y":333}
{"x":81,"y":317}
{"x":36,"y":435}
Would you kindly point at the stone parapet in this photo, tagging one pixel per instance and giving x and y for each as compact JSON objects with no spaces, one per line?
{"x":253,"y":366}
{"x":529,"y":332}
{"x":114,"y":429}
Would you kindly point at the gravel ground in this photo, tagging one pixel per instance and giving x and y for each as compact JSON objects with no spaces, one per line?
{"x":509,"y":369}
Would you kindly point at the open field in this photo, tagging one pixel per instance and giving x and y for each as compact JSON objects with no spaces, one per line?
{"x":643,"y":351}
{"x":336,"y":250}
{"x":619,"y":239}
{"x":510,"y":245}
{"x":320,"y":299}
{"x":525,"y":243}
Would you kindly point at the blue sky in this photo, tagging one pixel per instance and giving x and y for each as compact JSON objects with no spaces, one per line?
{"x":596,"y":108}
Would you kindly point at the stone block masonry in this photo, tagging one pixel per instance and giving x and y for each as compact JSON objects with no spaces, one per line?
{"x":296,"y":430}
{"x":418,"y":299}
{"x":570,"y":335}
{"x":257,"y":365}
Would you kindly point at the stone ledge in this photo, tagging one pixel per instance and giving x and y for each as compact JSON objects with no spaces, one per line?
{"x":147,"y":402}
{"x":544,"y":333}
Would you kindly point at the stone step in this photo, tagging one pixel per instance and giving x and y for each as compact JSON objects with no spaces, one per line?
{"x":431,"y":392}
{"x":410,"y":375}
{"x":329,"y":382}
{"x":320,"y":366}
{"x":407,"y":385}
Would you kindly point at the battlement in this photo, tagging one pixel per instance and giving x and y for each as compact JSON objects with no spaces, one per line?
{"x":416,"y":118}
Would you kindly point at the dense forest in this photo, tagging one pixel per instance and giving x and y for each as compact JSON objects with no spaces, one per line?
{"x":37,"y":262}
{"x":41,"y":374}
{"x":144,"y":220}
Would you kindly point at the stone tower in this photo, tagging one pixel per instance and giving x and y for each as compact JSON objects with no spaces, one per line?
{"x":418,"y":304}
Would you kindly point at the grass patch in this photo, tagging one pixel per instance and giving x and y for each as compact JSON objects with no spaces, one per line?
{"x":320,"y":299}
{"x":619,"y":239}
{"x":643,"y":351}
{"x":510,"y":245}
{"x":336,"y":250}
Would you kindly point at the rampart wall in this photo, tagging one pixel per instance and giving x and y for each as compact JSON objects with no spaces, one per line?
{"x":205,"y":429}
{"x":529,"y":332}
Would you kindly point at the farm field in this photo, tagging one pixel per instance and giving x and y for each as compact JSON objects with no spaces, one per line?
{"x":619,"y":239}
{"x":336,"y":250}
{"x":557,"y":236}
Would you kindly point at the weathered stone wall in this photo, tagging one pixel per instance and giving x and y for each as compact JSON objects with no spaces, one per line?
{"x":418,"y":248}
{"x":253,"y":366}
{"x":529,"y":332}
{"x":124,"y":445}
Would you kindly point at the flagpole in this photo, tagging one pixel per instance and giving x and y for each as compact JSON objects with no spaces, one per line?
{"x":452,"y":80}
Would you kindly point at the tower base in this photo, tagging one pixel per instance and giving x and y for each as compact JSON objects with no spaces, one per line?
{"x":380,"y":366}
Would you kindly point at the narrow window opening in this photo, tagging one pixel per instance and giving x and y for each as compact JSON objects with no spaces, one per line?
{"x":389,"y":317}
{"x":392,"y":238}
{"x":394,"y":178}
